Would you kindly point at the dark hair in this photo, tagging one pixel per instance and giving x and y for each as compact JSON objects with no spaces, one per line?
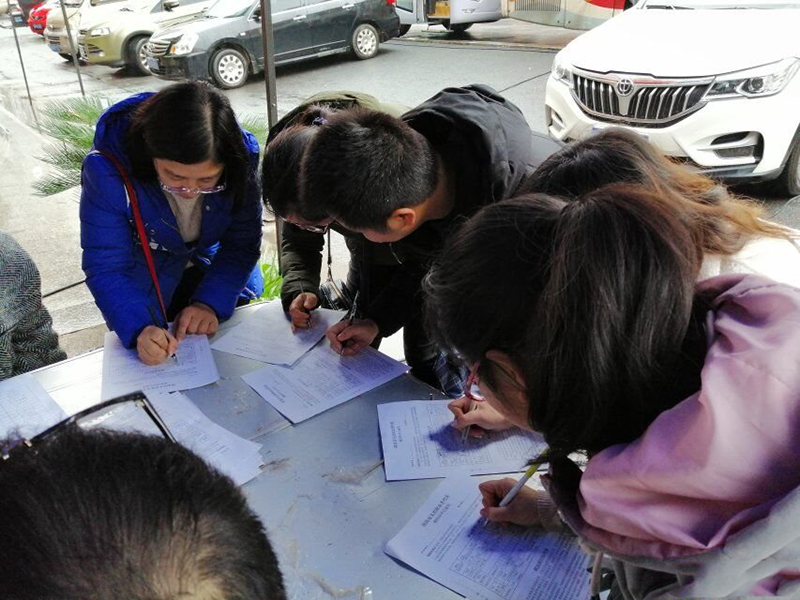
{"x":280,"y":171}
{"x":591,"y":298}
{"x":190,"y":123}
{"x":362,"y":165}
{"x":107,"y":515}
{"x":725,"y":223}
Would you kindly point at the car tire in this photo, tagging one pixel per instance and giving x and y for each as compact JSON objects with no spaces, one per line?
{"x":404,"y":29}
{"x":229,"y":68}
{"x":135,"y":54}
{"x":458,"y":28}
{"x":65,"y":56}
{"x":789,"y":180}
{"x":365,"y":41}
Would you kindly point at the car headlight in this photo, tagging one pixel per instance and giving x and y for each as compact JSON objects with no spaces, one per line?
{"x":561,"y":71}
{"x":100,"y":31}
{"x":761,"y":81}
{"x":184,"y":44}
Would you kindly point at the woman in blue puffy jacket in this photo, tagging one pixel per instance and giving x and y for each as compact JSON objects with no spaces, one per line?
{"x":194,"y":172}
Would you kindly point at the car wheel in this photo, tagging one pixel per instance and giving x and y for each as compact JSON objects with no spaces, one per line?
{"x":789,"y":181}
{"x":365,"y":41}
{"x":458,"y":27}
{"x":229,"y":68}
{"x":404,"y":29}
{"x":66,"y":57}
{"x":137,"y":57}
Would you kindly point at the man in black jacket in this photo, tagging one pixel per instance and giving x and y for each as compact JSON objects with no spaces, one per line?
{"x":405,"y":183}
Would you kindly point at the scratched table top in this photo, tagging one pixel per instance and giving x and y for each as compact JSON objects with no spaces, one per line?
{"x":322,"y":495}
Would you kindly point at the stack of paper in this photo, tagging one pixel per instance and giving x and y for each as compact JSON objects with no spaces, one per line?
{"x":321,"y":380}
{"x":26,"y":408}
{"x":419,"y":442}
{"x":124,"y":373}
{"x":266,"y":335}
{"x":235,"y":456}
{"x":447,"y":541}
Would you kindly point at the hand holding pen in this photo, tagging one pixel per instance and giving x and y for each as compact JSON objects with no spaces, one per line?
{"x":155,"y":343}
{"x":300,"y":310}
{"x":509,"y":501}
{"x":350,"y":335}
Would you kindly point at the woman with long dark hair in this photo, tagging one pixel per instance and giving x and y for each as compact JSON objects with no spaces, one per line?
{"x":582,"y":319}
{"x":730,"y":232}
{"x":181,"y":155}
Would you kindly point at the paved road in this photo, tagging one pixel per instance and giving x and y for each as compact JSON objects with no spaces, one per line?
{"x":405,"y":71}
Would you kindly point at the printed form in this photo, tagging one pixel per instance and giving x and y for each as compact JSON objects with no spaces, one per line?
{"x":236,"y":457}
{"x":267,"y":335}
{"x":321,"y":380}
{"x":26,"y":409}
{"x":419,"y":442}
{"x":447,"y":541}
{"x":124,"y":373}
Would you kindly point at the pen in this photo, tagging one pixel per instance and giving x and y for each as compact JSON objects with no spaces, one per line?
{"x":465,"y":433}
{"x":518,"y":486}
{"x":156,"y":323}
{"x":302,"y":293}
{"x":512,"y":493}
{"x":352,"y":315}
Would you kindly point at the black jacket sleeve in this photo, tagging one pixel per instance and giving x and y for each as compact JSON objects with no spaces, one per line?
{"x":400,"y":300}
{"x":301,"y":262}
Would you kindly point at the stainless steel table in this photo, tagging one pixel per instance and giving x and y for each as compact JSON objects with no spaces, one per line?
{"x":322,"y":496}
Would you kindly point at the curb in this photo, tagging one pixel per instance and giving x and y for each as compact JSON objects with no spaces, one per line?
{"x":485,"y":43}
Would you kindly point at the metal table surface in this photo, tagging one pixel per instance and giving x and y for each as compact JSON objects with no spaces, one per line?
{"x":322,"y":495}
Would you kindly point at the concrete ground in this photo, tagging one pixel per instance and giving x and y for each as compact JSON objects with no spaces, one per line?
{"x":511,"y":56}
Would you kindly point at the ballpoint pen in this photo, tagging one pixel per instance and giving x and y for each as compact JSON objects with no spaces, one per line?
{"x":512,"y":493}
{"x":471,"y":380}
{"x":350,"y":316}
{"x":302,"y":293}
{"x":160,"y":326}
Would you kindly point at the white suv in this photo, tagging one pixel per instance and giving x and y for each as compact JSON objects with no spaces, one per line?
{"x":712,"y":82}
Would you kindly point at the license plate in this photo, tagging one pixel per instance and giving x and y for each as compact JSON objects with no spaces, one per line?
{"x":596,"y":128}
{"x":152,"y":63}
{"x":82,"y":52}
{"x":55,"y":48}
{"x":38,"y":27}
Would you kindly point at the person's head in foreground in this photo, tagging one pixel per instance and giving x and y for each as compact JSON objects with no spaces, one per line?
{"x":723,"y":222}
{"x":103,"y":516}
{"x":373,"y":173}
{"x":280,"y":172}
{"x":575,"y":313}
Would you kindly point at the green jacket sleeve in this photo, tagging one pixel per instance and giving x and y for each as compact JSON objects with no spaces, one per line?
{"x":301,"y":262}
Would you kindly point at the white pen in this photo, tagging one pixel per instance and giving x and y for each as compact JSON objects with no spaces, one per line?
{"x":518,"y":486}
{"x":465,"y":433}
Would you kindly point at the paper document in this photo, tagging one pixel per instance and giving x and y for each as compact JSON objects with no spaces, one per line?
{"x":235,"y":456}
{"x":266,"y":335}
{"x":124,"y":373}
{"x":447,"y":541}
{"x":26,"y":408}
{"x":419,"y":442}
{"x":321,"y":380}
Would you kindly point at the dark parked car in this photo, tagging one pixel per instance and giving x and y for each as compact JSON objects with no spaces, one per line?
{"x":225,"y":45}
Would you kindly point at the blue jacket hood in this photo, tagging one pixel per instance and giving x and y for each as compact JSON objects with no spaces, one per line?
{"x":109,"y":135}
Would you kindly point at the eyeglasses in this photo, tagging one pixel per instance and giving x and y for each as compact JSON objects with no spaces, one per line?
{"x":473,"y":383}
{"x":195,"y":191}
{"x":132,"y":412}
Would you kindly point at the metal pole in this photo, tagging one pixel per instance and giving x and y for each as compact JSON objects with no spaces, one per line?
{"x":268,"y":44}
{"x":25,"y":76}
{"x":75,"y":60}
